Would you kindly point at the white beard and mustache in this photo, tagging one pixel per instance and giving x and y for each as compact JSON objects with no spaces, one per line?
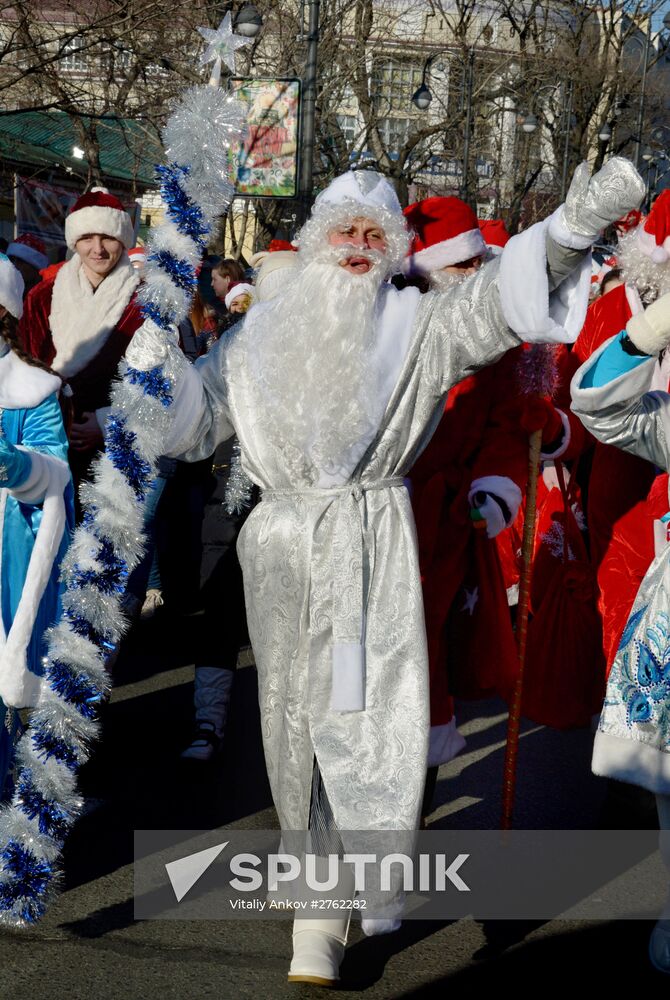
{"x":307,"y":358}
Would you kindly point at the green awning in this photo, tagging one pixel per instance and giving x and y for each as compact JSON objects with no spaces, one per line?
{"x":129,"y":150}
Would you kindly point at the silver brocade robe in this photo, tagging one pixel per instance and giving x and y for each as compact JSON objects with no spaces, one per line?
{"x":633,"y":739}
{"x":306,"y":553}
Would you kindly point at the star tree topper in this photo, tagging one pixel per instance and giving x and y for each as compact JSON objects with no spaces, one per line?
{"x":222,"y":45}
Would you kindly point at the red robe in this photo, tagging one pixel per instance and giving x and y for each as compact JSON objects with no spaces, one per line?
{"x":626,"y":495}
{"x":479,"y":435}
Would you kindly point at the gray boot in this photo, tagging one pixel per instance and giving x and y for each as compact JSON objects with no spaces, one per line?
{"x":211,"y":697}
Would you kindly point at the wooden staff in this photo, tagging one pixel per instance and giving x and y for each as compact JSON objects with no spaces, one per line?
{"x":512,"y":748}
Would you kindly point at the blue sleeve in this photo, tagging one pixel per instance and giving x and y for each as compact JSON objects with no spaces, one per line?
{"x":612,"y":363}
{"x":40,"y":429}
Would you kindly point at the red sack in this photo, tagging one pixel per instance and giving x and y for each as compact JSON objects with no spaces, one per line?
{"x":564,"y":669}
{"x":482,"y":654}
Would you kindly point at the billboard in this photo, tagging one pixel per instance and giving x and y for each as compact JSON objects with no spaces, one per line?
{"x":265,"y":164}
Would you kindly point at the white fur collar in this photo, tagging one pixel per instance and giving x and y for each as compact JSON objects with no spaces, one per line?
{"x":81,"y":320}
{"x":23,"y":386}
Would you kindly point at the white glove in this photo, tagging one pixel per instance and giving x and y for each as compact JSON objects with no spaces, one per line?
{"x":650,"y":330}
{"x":594,"y":203}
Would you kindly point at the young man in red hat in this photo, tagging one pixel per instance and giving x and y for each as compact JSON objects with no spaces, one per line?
{"x":625,"y":530}
{"x":475,"y":467}
{"x":81,"y":321}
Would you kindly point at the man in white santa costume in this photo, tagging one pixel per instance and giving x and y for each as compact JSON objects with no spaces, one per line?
{"x":333,"y":389}
{"x":80,"y":322}
{"x":474,"y":470}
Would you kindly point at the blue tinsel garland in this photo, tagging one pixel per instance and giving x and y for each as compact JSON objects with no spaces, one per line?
{"x":107,"y":545}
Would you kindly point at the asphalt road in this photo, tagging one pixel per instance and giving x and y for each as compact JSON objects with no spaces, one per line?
{"x":90,"y":946}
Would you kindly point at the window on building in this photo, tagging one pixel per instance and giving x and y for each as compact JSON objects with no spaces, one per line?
{"x":74,"y":60}
{"x":394,"y":132}
{"x":349,"y":128}
{"x":393,"y":83}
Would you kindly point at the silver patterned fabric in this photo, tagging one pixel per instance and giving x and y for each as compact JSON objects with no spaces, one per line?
{"x":633,"y":739}
{"x":313,"y":560}
{"x":593,"y":203}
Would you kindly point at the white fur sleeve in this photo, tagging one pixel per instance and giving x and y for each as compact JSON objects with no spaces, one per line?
{"x":45,"y":471}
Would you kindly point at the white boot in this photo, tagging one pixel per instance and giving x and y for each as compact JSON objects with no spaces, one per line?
{"x":318,"y":949}
{"x":659,"y":943}
{"x":211,"y":697}
{"x":318,"y":945}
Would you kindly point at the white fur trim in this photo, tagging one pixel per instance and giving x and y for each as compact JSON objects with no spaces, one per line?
{"x":19,"y":686}
{"x":445,"y":742}
{"x":367,"y":187}
{"x":29,"y":254}
{"x":348,"y":677}
{"x":81,"y":320}
{"x":560,"y":233}
{"x":565,"y":441}
{"x":452,"y":251}
{"x":659,"y":252}
{"x":627,"y":759}
{"x":530,"y":311}
{"x":33,"y":489}
{"x":23,"y":386}
{"x":242,"y":288}
{"x":633,"y":299}
{"x":498,"y":486}
{"x":102,"y":220}
{"x":650,"y":330}
{"x":101,"y":415}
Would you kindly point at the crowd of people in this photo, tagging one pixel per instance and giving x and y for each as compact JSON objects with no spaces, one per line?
{"x":386,"y":373}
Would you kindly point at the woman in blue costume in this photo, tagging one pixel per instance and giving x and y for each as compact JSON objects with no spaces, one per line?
{"x":611,"y":395}
{"x":36,"y":516}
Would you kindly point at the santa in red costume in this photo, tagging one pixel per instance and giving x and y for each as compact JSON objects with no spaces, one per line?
{"x":476,"y":461}
{"x":81,"y":321}
{"x":624,"y":522}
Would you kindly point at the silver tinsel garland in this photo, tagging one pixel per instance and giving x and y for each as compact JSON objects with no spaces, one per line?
{"x":109,"y":542}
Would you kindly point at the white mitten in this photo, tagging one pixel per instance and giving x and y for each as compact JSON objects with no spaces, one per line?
{"x":650,"y":330}
{"x":594,"y":203}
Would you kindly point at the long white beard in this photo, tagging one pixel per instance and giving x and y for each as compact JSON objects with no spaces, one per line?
{"x":649,"y":278}
{"x":307,"y":357}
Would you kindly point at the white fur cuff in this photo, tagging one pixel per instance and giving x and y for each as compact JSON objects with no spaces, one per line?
{"x":45,"y":471}
{"x":560,"y":233}
{"x":498,"y":486}
{"x":565,"y":440}
{"x":650,"y":330}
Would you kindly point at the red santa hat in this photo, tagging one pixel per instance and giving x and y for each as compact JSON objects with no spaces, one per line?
{"x":236,"y":289}
{"x":495,"y":234}
{"x":31,"y":249}
{"x":445,"y":232}
{"x":654,"y":235}
{"x":99,"y":212}
{"x":277,"y":246}
{"x":138,"y":256}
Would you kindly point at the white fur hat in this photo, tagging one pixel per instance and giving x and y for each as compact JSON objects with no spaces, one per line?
{"x":11,"y":287}
{"x":269,"y":267}
{"x":99,"y":212}
{"x":236,"y":289}
{"x":368,"y":187}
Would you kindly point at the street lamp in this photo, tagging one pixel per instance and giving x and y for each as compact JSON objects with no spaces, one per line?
{"x":605,"y":133}
{"x":528,"y":123}
{"x":249,"y":21}
{"x":422,"y":97}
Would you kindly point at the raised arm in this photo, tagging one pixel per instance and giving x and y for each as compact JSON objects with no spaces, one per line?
{"x":610,"y":392}
{"x":538,"y":290}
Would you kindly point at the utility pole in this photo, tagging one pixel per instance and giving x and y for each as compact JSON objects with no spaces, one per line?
{"x":308,"y":130}
{"x":465,"y":180}
{"x":566,"y":147}
{"x":643,"y":88}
